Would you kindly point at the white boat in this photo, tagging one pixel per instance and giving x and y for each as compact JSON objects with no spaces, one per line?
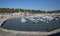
{"x":23,"y":20}
{"x":32,"y":19}
{"x":56,"y":18}
{"x":46,"y":21}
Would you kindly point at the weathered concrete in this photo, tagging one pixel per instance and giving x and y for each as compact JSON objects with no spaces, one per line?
{"x":6,"y":18}
{"x":3,"y":19}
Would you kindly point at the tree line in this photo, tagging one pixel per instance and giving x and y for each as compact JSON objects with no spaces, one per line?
{"x":13,"y":10}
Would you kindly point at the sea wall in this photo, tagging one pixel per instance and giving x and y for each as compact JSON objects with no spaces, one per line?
{"x":5,"y":32}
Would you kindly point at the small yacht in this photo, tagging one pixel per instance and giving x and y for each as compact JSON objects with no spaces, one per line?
{"x":35,"y":21}
{"x":23,"y":20}
{"x":32,"y":19}
{"x":41,"y":20}
{"x":56,"y":18}
{"x":46,"y":21}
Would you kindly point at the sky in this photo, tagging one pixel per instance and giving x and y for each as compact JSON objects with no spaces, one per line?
{"x":46,"y":5}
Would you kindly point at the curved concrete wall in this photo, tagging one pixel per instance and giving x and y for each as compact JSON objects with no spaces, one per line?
{"x":5,"y":32}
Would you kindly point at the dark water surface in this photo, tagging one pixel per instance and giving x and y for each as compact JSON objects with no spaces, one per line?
{"x":56,"y":34}
{"x":15,"y":24}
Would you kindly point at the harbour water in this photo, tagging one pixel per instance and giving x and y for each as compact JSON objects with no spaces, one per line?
{"x":15,"y":24}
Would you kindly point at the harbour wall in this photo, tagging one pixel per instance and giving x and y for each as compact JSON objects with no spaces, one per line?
{"x":5,"y":32}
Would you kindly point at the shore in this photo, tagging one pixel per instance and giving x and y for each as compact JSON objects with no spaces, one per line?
{"x":5,"y":32}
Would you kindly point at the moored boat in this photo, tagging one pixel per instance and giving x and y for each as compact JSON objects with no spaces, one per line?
{"x":23,"y":20}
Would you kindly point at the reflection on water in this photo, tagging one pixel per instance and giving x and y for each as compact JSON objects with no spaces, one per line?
{"x":15,"y":24}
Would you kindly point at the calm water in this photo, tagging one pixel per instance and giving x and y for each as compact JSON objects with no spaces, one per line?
{"x":15,"y":24}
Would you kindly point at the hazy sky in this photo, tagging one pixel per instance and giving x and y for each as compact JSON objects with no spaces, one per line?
{"x":31,"y":4}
